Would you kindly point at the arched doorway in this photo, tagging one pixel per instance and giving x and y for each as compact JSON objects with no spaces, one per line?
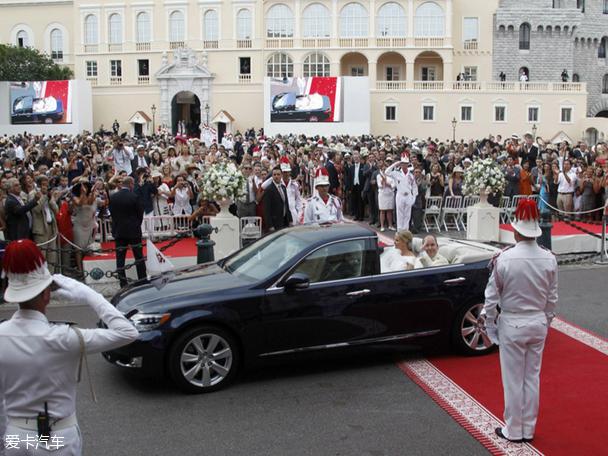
{"x":391,"y":67}
{"x":354,"y":64}
{"x":522,"y":71}
{"x":591,"y":135}
{"x":602,"y":114}
{"x":428,"y":66}
{"x":186,"y":114}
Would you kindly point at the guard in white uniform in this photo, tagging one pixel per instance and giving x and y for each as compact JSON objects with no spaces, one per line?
{"x":40,"y":361}
{"x":323,"y":207}
{"x":406,"y":188}
{"x":523,"y":284}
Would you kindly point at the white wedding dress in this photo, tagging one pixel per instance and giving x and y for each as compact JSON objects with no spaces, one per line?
{"x":391,"y":260}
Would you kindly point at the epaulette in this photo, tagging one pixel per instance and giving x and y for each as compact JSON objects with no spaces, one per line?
{"x":492,"y":262}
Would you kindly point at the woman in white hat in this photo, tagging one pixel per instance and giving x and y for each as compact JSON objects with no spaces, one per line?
{"x":455,"y":182}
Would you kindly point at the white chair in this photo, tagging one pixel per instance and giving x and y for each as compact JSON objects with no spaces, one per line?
{"x":251,"y":229}
{"x":451,"y":209}
{"x":432,"y":212}
{"x":503,"y":206}
{"x":467,"y":201}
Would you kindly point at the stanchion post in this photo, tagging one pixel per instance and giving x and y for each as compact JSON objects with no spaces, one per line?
{"x":204,"y":245}
{"x":545,"y":226}
{"x":603,"y":259}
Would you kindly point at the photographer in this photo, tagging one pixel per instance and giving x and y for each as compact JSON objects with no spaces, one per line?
{"x":122,"y":157}
{"x":146,"y":191}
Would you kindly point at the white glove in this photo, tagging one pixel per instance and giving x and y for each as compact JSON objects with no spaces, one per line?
{"x":75,"y":291}
{"x":492,"y":333}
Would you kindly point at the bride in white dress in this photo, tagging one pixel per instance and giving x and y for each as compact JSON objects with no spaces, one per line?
{"x":400,"y":257}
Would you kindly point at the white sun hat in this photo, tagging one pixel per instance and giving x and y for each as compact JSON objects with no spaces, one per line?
{"x":526,"y":219}
{"x":27,"y":271}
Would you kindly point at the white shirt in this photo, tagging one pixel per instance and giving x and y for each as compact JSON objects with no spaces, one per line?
{"x":39,"y":360}
{"x":318,"y":211}
{"x":562,"y":184}
{"x":122,"y":160}
{"x":356,"y":179}
{"x":19,"y":153}
{"x":523,"y":281}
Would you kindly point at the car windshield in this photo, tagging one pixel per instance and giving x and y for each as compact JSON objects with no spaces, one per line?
{"x":265,"y":257}
{"x":285,"y":100}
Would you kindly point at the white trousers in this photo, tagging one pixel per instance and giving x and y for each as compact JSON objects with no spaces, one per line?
{"x":404,"y":212}
{"x":521,"y":349}
{"x":21,"y":442}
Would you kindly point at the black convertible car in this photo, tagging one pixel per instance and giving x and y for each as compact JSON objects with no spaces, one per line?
{"x":289,"y":107}
{"x":28,"y":109}
{"x":302,"y":289}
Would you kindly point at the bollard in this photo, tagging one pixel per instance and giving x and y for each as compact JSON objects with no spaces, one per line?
{"x":544,"y":240}
{"x":603,"y":259}
{"x":204,"y":245}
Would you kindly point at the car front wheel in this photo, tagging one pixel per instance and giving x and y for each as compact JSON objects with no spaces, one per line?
{"x":204,"y":359}
{"x":468,"y":335}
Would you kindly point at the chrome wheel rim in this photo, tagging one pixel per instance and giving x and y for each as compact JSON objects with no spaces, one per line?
{"x":206,"y":360}
{"x":472,"y":332}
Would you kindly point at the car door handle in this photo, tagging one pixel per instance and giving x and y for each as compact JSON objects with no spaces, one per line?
{"x":455,"y":281}
{"x":358,"y":292}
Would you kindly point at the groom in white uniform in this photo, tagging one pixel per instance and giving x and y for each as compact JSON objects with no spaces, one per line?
{"x":406,"y":190}
{"x":523,"y":284}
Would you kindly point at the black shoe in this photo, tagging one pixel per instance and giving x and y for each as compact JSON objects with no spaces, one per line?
{"x":502,"y":436}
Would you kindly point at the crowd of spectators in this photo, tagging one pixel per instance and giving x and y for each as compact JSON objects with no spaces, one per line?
{"x":62,"y":184}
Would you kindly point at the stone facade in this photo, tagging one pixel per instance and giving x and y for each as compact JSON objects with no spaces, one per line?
{"x":564,"y":34}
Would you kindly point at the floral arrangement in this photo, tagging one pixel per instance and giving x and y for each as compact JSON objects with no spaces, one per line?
{"x":484,"y":175}
{"x":222,"y":181}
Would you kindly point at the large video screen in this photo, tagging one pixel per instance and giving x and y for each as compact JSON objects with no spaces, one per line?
{"x":41,"y":102}
{"x":313,"y":99}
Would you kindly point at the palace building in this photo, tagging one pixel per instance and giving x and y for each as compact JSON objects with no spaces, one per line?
{"x":432,"y":66}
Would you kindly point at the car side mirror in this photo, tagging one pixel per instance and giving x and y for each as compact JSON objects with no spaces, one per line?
{"x":297,"y":281}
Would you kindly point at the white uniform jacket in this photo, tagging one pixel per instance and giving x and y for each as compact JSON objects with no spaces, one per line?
{"x":39,"y":360}
{"x":317,"y":211}
{"x":523,"y":282}
{"x":405,"y":185}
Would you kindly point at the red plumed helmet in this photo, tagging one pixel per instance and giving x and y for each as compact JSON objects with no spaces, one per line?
{"x":527,"y":210}
{"x":21,"y":257}
{"x":26,"y":269}
{"x":285,"y":165}
{"x":321,"y":177}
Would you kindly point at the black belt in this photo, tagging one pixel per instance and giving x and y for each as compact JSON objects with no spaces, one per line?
{"x":568,"y":193}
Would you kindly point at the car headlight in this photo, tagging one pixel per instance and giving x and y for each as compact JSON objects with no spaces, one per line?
{"x":148,"y":322}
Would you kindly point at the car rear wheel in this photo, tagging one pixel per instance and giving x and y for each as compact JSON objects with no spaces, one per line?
{"x":204,"y":359}
{"x":468,"y":336}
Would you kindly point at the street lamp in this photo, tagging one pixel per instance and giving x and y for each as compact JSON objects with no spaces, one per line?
{"x":454,"y":122}
{"x":207,"y":112}
{"x":534,"y":130}
{"x":153,"y":109}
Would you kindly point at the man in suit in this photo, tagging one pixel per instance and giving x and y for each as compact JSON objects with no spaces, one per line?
{"x":127,"y":213}
{"x":529,"y":151}
{"x":18,"y":215}
{"x":44,"y":223}
{"x":277,"y":214}
{"x":334,"y":182}
{"x":355,"y":179}
{"x":141,"y":160}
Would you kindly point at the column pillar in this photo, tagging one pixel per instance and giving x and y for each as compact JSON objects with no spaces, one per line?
{"x":334,"y":21}
{"x":410,"y":19}
{"x":372,"y":18}
{"x":334,"y":68}
{"x":448,"y":71}
{"x":448,"y":19}
{"x":372,"y":70}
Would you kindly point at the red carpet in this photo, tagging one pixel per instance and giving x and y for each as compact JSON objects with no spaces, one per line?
{"x":574,"y":394}
{"x":184,"y":248}
{"x":563,"y":229}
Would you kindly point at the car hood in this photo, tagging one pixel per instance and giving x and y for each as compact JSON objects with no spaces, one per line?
{"x":199,"y":282}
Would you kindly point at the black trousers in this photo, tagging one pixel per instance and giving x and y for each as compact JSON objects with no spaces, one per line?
{"x":372,"y":201}
{"x":121,"y":254}
{"x":356,"y":202}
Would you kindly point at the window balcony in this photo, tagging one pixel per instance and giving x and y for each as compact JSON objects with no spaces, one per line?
{"x":90,"y":48}
{"x":143,"y":80}
{"x":391,"y":42}
{"x":279,"y":43}
{"x":142,"y":46}
{"x":210,"y":44}
{"x":244,"y":79}
{"x":429,"y":42}
{"x":353,"y":42}
{"x":244,"y":44}
{"x":316,"y":43}
{"x":176,"y":44}
{"x":92,"y":80}
{"x":471,"y":45}
{"x":115,"y":80}
{"x":115,"y":47}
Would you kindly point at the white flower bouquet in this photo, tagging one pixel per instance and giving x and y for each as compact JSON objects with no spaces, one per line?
{"x":222,"y":181}
{"x":484,"y":176}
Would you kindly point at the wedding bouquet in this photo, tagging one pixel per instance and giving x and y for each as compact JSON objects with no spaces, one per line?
{"x":222,"y":181}
{"x":484,"y":176}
